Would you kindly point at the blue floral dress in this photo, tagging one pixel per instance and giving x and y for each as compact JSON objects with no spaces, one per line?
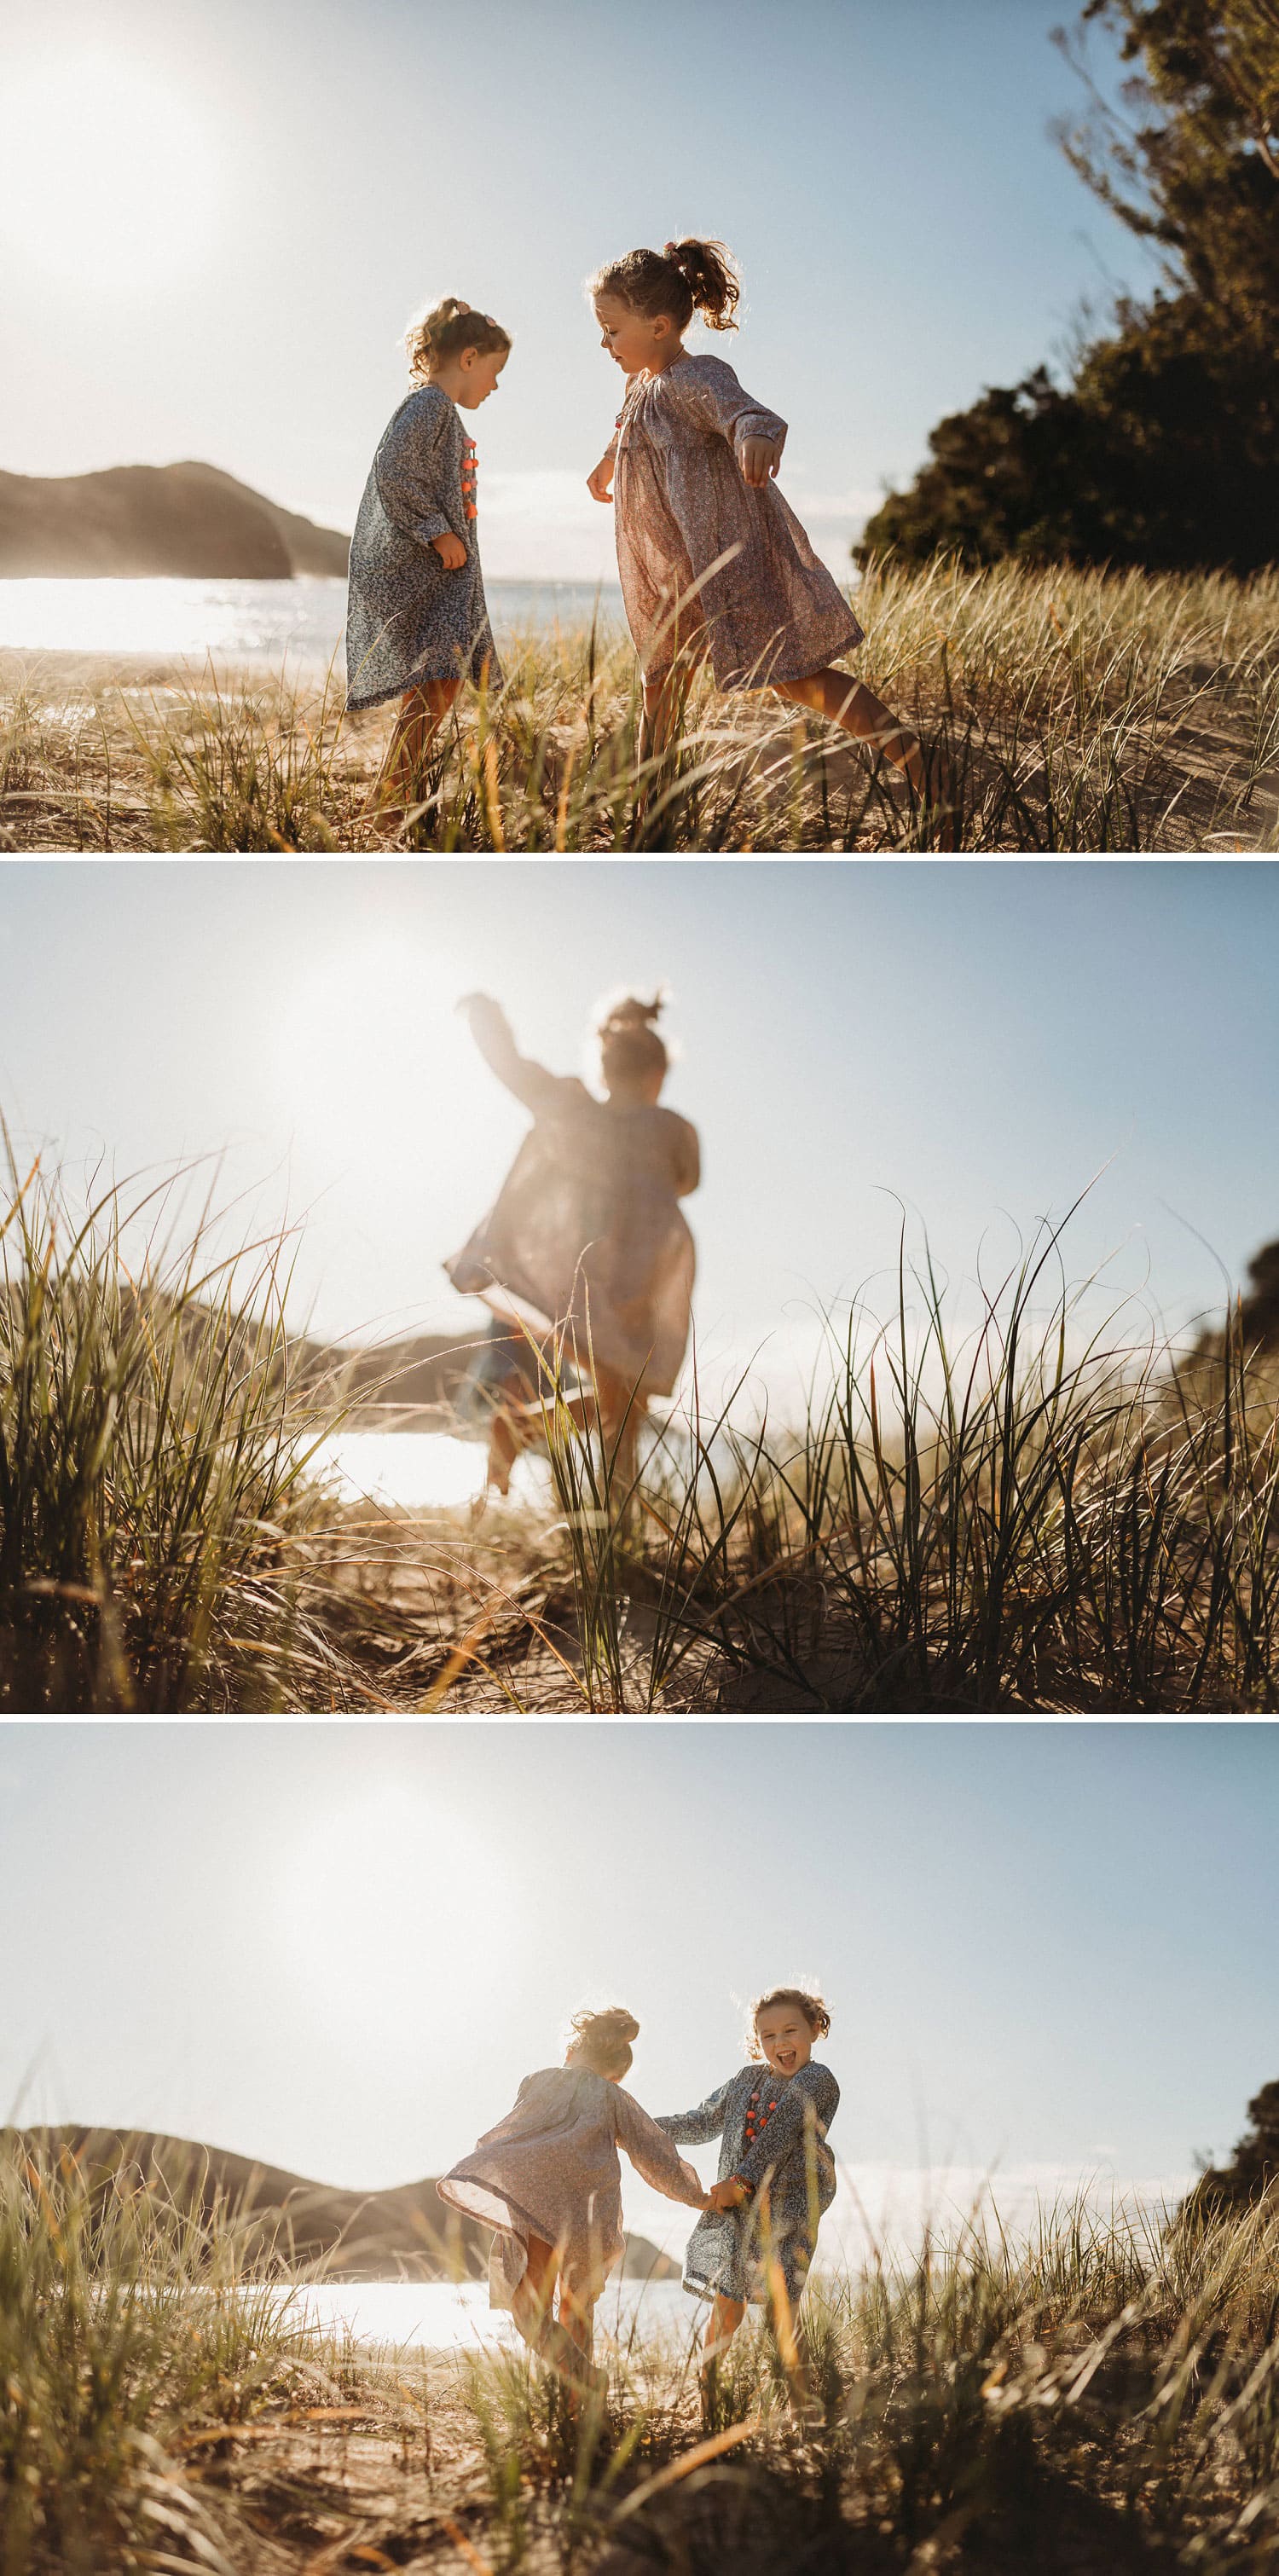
{"x":407,"y":619}
{"x":773,"y":2131}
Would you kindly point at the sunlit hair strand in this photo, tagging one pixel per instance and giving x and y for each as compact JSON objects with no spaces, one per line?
{"x":450,"y":327}
{"x":602,"y":2040}
{"x":684,"y":278}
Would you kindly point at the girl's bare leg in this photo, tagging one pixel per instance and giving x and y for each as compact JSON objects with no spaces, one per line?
{"x":615,"y":1417}
{"x":577,"y":2316}
{"x":725,"y":2317}
{"x":563,"y":2341}
{"x":421,"y":711}
{"x":663,"y":707}
{"x":531,"y":2305}
{"x":505,"y":1443}
{"x":848,"y":702}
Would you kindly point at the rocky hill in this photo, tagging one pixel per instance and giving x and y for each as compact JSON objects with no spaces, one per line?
{"x":178,"y":519}
{"x":404,"y":2234}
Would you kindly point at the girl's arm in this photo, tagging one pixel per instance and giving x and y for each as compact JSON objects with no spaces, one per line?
{"x":409,"y":471}
{"x":491,"y":1031}
{"x":697,"y":2128}
{"x":688,"y":1160}
{"x":599,"y":482}
{"x":812,"y":2095}
{"x":755,"y":434}
{"x":653,"y":2155}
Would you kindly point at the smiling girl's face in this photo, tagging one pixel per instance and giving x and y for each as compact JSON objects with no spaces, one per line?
{"x":634,"y":339}
{"x":785,"y":2037}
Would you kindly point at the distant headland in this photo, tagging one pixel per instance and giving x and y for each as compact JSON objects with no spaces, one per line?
{"x":132,"y":520}
{"x":404,"y":2234}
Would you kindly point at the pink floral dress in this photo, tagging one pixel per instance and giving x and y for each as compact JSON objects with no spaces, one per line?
{"x":550,"y":2169}
{"x":707,"y":565}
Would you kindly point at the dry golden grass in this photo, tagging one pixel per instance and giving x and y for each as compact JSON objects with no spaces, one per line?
{"x":1061,"y":711}
{"x":1097,"y":2396}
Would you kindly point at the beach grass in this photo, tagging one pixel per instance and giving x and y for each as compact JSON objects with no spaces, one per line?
{"x":1096,"y":2393}
{"x":1017,"y":1507}
{"x":1061,"y":711}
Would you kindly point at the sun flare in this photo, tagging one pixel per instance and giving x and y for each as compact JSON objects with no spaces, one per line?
{"x":108,"y":175}
{"x":389,"y":1890}
{"x":374,"y":1022}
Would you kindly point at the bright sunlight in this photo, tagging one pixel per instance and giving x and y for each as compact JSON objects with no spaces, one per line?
{"x":384,"y":1891}
{"x":107,"y":175}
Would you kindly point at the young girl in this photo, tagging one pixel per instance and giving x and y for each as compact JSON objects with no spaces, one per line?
{"x":547,"y":2179}
{"x":711,"y":559}
{"x":586,"y":1240}
{"x":776,"y":2172}
{"x":417,"y":623}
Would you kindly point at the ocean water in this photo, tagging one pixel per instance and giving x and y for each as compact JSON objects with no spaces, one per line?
{"x":267,"y":623}
{"x":880,"y":2210}
{"x":420,"y":1470}
{"x":439,"y":2316}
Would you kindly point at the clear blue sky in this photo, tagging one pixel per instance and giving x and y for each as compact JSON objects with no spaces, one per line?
{"x":975,"y":1039}
{"x":340,"y":1947}
{"x":220,"y":219}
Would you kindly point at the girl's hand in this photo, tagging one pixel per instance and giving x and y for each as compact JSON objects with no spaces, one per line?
{"x":600,"y":483}
{"x":451,"y":551}
{"x":474,"y":1005}
{"x":758,"y":458}
{"x":728,"y":2194}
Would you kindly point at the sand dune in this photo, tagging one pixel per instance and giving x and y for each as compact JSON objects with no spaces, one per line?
{"x":403,"y":2234}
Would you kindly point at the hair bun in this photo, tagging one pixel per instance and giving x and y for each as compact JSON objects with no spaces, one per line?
{"x":631,"y":1013}
{"x":602,"y":2040}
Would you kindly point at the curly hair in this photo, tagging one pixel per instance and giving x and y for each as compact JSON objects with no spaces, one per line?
{"x":684,"y":278}
{"x":602,"y":2040}
{"x":445,"y":331}
{"x":630,"y":1047}
{"x":812,"y":2006}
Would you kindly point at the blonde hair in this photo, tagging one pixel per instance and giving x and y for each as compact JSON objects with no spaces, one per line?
{"x":683,"y":278}
{"x":602,"y":2040}
{"x":445,"y":331}
{"x":630,"y":1047}
{"x":811,"y":2005}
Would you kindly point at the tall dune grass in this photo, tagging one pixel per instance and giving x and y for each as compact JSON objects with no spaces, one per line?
{"x":153,"y":1455}
{"x":1036,"y":1513}
{"x":1060,"y":710}
{"x":1096,"y":2394}
{"x":1028,"y":1511}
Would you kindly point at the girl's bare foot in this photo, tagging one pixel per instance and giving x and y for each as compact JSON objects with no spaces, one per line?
{"x":567,"y":2359}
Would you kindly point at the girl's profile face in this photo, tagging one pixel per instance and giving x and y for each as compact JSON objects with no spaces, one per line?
{"x":630,"y":337}
{"x":479,"y":375}
{"x":785,"y":2038}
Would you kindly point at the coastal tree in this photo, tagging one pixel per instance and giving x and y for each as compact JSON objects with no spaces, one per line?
{"x":1253,"y":2169}
{"x":1163,"y":446}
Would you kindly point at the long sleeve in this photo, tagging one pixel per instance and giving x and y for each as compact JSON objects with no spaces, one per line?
{"x":697,"y":2128}
{"x":410,"y":464}
{"x":720,"y":402}
{"x":653,"y":2154}
{"x":530,"y":1082}
{"x":813,"y":2095}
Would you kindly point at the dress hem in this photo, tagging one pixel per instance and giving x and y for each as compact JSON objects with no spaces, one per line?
{"x":358,"y":706}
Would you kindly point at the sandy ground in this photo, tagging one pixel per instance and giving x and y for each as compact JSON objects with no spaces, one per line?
{"x":75,"y":776}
